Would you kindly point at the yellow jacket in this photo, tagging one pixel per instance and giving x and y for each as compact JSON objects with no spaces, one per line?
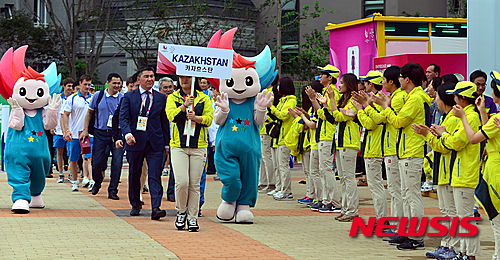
{"x":442,"y":155}
{"x":262,"y":128}
{"x":465,"y":156}
{"x":297,"y":140}
{"x":347,"y":132}
{"x":389,"y":137}
{"x":429,"y":163}
{"x":414,"y":111}
{"x":489,"y":195}
{"x":374,"y":133}
{"x":202,"y":107}
{"x":325,"y":129}
{"x":312,"y":132}
{"x":281,"y":112}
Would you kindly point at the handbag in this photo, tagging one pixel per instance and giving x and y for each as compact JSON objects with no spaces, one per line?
{"x":273,"y":129}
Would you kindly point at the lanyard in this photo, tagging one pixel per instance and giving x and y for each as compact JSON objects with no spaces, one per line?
{"x":150,"y":104}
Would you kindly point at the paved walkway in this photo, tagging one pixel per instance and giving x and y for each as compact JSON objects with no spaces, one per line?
{"x":77,"y":225}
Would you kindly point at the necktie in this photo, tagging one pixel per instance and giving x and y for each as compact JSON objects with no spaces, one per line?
{"x":146,"y":104}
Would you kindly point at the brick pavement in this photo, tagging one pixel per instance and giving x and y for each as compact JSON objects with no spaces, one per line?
{"x":78,"y":225}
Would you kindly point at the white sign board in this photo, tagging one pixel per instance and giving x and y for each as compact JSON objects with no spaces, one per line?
{"x":197,"y":61}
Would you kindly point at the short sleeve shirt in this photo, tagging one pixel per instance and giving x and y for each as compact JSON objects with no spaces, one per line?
{"x":77,"y":105}
{"x":106,"y":108}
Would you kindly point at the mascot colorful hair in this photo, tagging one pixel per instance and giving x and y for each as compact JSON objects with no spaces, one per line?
{"x":240,"y":110}
{"x":27,"y":156}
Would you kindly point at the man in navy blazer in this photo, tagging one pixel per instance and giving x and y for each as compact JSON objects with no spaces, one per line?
{"x":148,"y":140}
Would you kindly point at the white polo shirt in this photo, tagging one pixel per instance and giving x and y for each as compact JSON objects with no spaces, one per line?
{"x":60,"y":111}
{"x":77,"y":105}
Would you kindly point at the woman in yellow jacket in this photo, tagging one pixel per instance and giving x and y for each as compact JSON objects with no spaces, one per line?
{"x":441,"y":168}
{"x":487,"y":191}
{"x":287,"y":101}
{"x":465,"y":157}
{"x":347,"y":140}
{"x":188,"y":161}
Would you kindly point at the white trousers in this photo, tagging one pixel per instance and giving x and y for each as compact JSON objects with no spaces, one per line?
{"x":306,"y":165}
{"x":276,"y":173}
{"x":448,"y":209}
{"x":330,"y":188}
{"x":394,"y":186}
{"x":373,"y":168}
{"x":284,"y":169}
{"x":266,"y":175}
{"x":346,"y":165}
{"x":464,"y":202}
{"x":318,"y":184}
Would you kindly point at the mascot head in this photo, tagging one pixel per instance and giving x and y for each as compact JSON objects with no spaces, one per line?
{"x":250,"y":74}
{"x":29,"y":88}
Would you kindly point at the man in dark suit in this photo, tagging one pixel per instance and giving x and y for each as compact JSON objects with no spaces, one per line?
{"x":144,"y":124}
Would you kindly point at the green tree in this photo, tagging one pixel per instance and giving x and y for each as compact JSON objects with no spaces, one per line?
{"x":18,"y":30}
{"x":315,"y":51}
{"x":289,"y":20}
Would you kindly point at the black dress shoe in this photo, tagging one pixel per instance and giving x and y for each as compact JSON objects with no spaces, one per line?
{"x":49,"y":175}
{"x":135,"y":211}
{"x":95,"y":189}
{"x":157,"y":213}
{"x":113,"y":196}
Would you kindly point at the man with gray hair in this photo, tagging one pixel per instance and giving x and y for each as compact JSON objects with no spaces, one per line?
{"x":166,"y":86}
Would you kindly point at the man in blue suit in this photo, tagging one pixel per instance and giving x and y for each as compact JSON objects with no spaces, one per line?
{"x":144,"y":124}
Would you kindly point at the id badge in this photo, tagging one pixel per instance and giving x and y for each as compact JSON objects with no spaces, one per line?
{"x":110,"y":121}
{"x":142,"y":123}
{"x":193,"y":127}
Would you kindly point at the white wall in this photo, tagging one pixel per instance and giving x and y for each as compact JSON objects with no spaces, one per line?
{"x":483,"y":23}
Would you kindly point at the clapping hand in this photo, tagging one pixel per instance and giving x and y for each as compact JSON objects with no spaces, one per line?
{"x":420,"y":129}
{"x":438,"y":130}
{"x":321,"y":98}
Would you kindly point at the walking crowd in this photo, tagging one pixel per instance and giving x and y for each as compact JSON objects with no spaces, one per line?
{"x":398,"y":122}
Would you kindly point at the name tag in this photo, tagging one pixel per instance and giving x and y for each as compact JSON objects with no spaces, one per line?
{"x":193,"y":127}
{"x":142,"y":123}
{"x":110,"y":121}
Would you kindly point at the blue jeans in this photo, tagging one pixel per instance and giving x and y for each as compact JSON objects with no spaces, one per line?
{"x":103,"y":140}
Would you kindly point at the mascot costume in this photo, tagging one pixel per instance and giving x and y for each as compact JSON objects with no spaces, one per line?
{"x":241,"y":108}
{"x":26,"y":155}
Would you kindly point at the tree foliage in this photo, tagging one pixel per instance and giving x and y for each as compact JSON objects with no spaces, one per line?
{"x":315,"y":51}
{"x":183,"y":22}
{"x":18,"y":30}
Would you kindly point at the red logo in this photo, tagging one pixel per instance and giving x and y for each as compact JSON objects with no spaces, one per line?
{"x":413,"y":230}
{"x":406,"y":164}
{"x":389,"y":160}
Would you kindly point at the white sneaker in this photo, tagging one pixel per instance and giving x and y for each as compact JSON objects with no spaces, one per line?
{"x":271,"y":193}
{"x":74,"y":187}
{"x":288,"y":196}
{"x":91,"y":185}
{"x":85,"y":182}
{"x":426,"y":187}
{"x":277,"y":194}
{"x":165,"y":172}
{"x":60,"y":179}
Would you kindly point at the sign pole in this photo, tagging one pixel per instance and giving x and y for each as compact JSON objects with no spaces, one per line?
{"x":190,"y":109}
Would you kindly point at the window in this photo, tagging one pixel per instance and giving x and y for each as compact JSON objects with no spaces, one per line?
{"x":373,"y":6}
{"x":449,"y":29}
{"x":406,"y":29}
{"x":7,"y":11}
{"x":290,"y":31}
{"x":40,"y":12}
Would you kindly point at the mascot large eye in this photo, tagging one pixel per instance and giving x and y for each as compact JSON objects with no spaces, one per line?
{"x":230,"y":82}
{"x":249,"y":81}
{"x":22,"y":91}
{"x":39,"y":92}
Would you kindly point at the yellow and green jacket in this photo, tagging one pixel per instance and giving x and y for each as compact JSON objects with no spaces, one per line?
{"x":488,"y":191}
{"x":414,"y":111}
{"x":262,"y":128}
{"x":442,"y":155}
{"x":347,"y":131}
{"x":202,"y":107}
{"x":465,"y":156}
{"x":325,"y":129}
{"x":389,"y":137}
{"x":297,"y":139}
{"x":281,"y":112}
{"x":312,"y":132}
{"x":374,"y":133}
